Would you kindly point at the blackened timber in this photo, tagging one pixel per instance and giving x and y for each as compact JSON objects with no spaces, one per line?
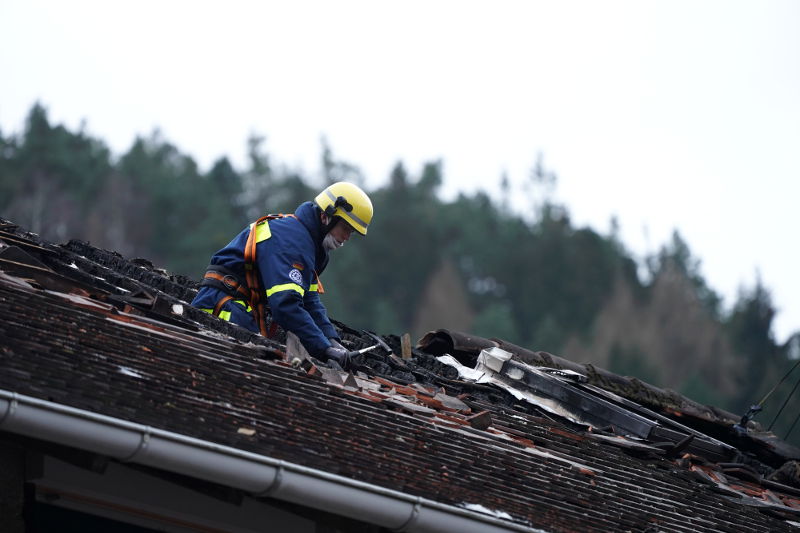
{"x":596,"y":411}
{"x":22,"y":242}
{"x":464,"y":347}
{"x":117,"y":263}
{"x":673,"y":431}
{"x":629,"y":417}
{"x":16,"y":261}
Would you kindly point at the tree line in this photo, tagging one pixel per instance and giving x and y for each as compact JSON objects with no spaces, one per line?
{"x":535,"y":280}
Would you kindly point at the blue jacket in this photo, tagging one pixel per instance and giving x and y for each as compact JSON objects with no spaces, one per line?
{"x":290,"y":258}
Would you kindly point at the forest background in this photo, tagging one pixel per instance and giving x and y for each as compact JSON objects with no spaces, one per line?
{"x":469,"y":264}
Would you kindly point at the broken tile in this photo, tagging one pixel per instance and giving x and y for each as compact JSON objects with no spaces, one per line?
{"x":409,"y":407}
{"x":480,"y":420}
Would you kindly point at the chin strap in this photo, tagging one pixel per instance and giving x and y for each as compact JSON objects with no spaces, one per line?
{"x":332,"y":221}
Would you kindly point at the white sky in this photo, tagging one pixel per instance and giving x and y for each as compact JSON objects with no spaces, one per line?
{"x":667,"y":114}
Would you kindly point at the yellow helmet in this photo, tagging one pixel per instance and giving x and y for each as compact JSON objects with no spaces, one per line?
{"x":343,"y":199}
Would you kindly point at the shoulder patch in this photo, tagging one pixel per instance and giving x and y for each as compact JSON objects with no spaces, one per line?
{"x":298,"y":266}
{"x":296,"y":276}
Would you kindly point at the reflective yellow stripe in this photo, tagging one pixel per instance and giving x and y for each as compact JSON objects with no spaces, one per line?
{"x":226,"y":315}
{"x":313,"y":288}
{"x":262,"y":231}
{"x":244,"y":304}
{"x":286,"y":287}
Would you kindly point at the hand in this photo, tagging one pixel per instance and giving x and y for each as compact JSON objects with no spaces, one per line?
{"x":335,"y":343}
{"x":340,"y":355}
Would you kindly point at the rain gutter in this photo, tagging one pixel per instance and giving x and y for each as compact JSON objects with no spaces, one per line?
{"x":258,"y":475}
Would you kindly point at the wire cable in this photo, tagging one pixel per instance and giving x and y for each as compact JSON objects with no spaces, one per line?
{"x":741,"y":427}
{"x":761,"y":403}
{"x":792,"y":427}
{"x":786,"y":401}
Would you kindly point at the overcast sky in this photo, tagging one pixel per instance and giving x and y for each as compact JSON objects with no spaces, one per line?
{"x":669,"y":115}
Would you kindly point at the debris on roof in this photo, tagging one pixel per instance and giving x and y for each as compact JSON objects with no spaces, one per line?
{"x":478,"y":426}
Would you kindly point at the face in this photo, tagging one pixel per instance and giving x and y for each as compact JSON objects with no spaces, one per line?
{"x":338,"y":235}
{"x":342,"y":231}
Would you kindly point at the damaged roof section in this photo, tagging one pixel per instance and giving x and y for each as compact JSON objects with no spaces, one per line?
{"x":628,"y":392}
{"x":565,"y":393}
{"x":133,"y":287}
{"x":535,"y":439}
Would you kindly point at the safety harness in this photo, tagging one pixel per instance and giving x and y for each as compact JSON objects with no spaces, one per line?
{"x":248,"y":290}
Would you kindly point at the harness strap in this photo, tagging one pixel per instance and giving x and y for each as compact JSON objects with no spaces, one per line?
{"x":219,"y":277}
{"x":222,"y":301}
{"x":320,"y":288}
{"x":252,"y":276}
{"x":226,"y":282}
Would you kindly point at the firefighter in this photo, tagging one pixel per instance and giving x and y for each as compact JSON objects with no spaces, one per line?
{"x":277,"y":260}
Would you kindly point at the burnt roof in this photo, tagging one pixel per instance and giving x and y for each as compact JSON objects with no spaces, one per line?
{"x":88,"y":329}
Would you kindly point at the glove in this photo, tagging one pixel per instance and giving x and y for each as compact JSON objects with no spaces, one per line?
{"x":340,"y":355}
{"x":335,"y":343}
